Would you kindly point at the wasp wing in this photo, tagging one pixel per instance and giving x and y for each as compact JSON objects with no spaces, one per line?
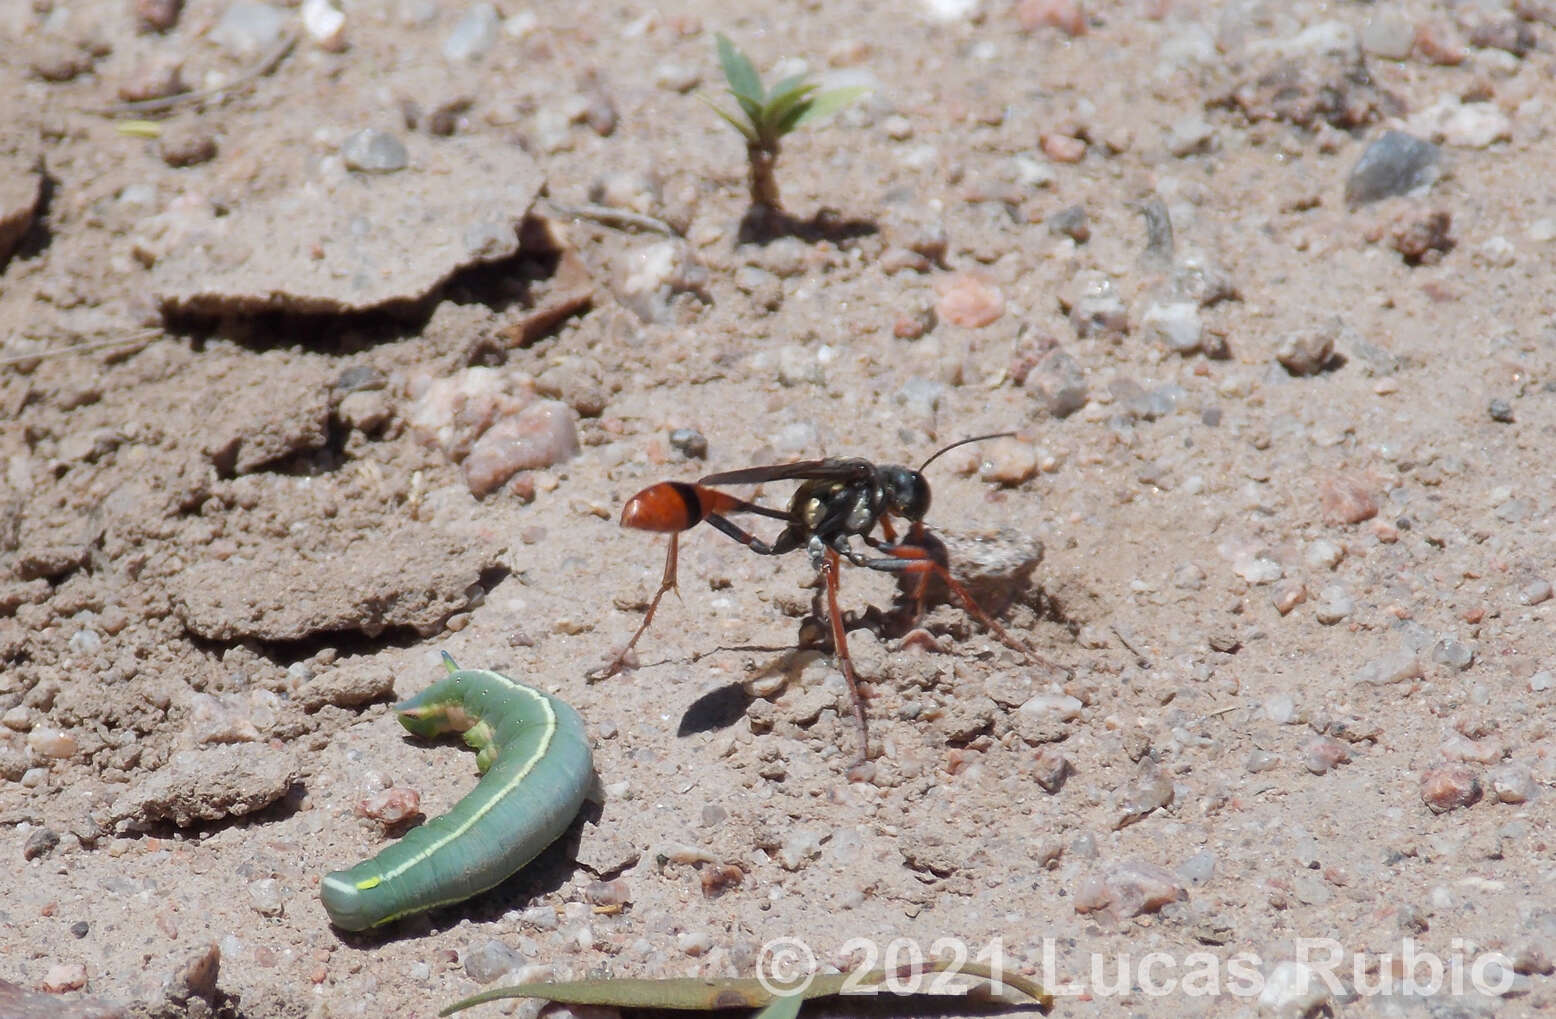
{"x":834,"y":469}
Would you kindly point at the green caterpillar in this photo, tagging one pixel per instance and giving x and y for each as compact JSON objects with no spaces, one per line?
{"x":537,"y":769}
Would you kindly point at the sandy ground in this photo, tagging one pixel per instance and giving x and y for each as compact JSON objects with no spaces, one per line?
{"x":1284,"y":456}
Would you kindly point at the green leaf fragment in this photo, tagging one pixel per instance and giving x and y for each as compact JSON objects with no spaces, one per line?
{"x":786,"y":1007}
{"x":698,"y":995}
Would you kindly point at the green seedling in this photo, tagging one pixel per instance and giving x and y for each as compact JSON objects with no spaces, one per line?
{"x":767,"y":115}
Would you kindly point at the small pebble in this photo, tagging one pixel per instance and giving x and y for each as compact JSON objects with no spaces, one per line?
{"x":1068,"y":16}
{"x":1534,"y":592}
{"x":1151,"y":789}
{"x":40,"y":842}
{"x":1293,"y":989}
{"x":542,"y":918}
{"x":1281,"y":709}
{"x":1199,"y":868}
{"x":58,"y":62}
{"x":1070,"y":222}
{"x":80,"y":929}
{"x":690,"y":443}
{"x":1094,"y":305}
{"x":608,"y":893}
{"x":694,"y":943}
{"x":674,"y":77}
{"x":1459,"y":747}
{"x":918,"y":318}
{"x":968,"y":301}
{"x":1497,"y":252}
{"x":1464,"y":125}
{"x":1258,"y":570}
{"x":1063,"y":148}
{"x":541,"y":435}
{"x":248,"y":29}
{"x":1306,"y":351}
{"x":1177,"y":325}
{"x":1260,"y":761}
{"x":1500,"y":411}
{"x":1394,"y":667}
{"x":391,"y":807}
{"x":1190,"y":136}
{"x":799,"y":847}
{"x":1059,"y":383}
{"x":897,"y":127}
{"x":187,"y":148}
{"x":17,"y":719}
{"x":1346,"y":498}
{"x":1394,"y":164}
{"x":325,"y":24}
{"x":265,"y":896}
{"x":373,"y":151}
{"x":85,"y":642}
{"x":1323,"y":554}
{"x":473,"y":34}
{"x":367,"y":411}
{"x":1334,"y":605}
{"x":64,"y":976}
{"x":52,"y":743}
{"x":1288,"y":595}
{"x":490,"y":960}
{"x":1449,"y":786}
{"x":1542,"y":681}
{"x":1422,"y":238}
{"x":1512,"y":782}
{"x":1321,"y":754}
{"x":1388,"y":34}
{"x":154,"y":81}
{"x":1009,"y":461}
{"x":1062,"y":706}
{"x":1130,"y":889}
{"x":1050,"y":768}
{"x":157,"y":15}
{"x":1453,"y":653}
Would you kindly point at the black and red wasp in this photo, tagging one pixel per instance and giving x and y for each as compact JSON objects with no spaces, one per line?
{"x":838,"y":500}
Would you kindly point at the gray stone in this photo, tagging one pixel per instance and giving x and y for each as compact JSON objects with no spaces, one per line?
{"x":1394,"y":164}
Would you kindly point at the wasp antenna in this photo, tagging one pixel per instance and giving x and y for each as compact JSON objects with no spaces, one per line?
{"x":962,"y":442}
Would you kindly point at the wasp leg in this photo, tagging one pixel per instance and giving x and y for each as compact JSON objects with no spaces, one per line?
{"x":844,"y":662}
{"x":787,"y":541}
{"x":666,"y":583}
{"x":921,"y":561}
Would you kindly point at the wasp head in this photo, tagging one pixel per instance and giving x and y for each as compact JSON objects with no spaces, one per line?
{"x":907,"y":493}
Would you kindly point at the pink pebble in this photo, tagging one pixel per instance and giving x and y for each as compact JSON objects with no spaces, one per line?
{"x":540,"y":435}
{"x":1066,"y":15}
{"x":390,"y":807}
{"x":968,"y":301}
{"x":1449,"y":787}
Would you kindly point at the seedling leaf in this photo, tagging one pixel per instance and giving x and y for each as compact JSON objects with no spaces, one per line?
{"x":743,"y":126}
{"x":784,"y":113}
{"x":828,"y":103}
{"x":744,"y":82}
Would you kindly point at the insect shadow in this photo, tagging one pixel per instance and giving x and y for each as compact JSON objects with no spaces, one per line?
{"x":719,"y":708}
